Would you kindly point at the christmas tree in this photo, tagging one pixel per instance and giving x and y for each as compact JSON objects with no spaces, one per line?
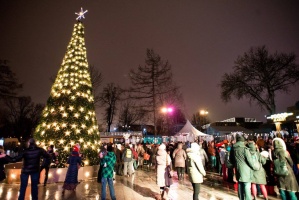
{"x":69,"y":116}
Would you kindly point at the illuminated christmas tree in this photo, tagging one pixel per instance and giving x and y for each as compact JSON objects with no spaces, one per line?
{"x":69,"y":116}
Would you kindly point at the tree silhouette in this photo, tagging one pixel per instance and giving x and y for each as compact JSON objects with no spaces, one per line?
{"x":258,"y":76}
{"x":8,"y":82}
{"x":150,"y":82}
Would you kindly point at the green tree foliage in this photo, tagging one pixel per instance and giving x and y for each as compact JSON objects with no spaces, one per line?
{"x":69,"y":116}
{"x":258,"y":76}
{"x":8,"y":82}
{"x":109,"y":99}
{"x":152,"y":84}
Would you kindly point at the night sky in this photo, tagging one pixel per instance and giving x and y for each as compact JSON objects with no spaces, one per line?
{"x":201,"y":40}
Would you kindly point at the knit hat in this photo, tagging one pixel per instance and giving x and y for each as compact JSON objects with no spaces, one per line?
{"x":240,"y":138}
{"x":76,"y":148}
{"x":162,"y":146}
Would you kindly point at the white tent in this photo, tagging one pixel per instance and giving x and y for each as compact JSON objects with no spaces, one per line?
{"x":190,"y":130}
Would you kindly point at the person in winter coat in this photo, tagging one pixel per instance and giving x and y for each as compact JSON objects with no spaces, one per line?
{"x":108,"y":163}
{"x":74,"y":161}
{"x":222,"y":153}
{"x":259,"y":176}
{"x":31,"y":166}
{"x":46,"y":164}
{"x":180,"y":157}
{"x":4,"y":159}
{"x":140,"y":151}
{"x":242,"y":161}
{"x":102,"y":154}
{"x":163,"y":161}
{"x":196,"y":170}
{"x":127,"y":157}
{"x":228,"y":165}
{"x":118,"y":164}
{"x":212,"y":154}
{"x":287,"y":185}
{"x":203,"y":156}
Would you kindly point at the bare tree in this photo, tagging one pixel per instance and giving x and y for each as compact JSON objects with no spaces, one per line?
{"x":21,"y":116}
{"x":8,"y":82}
{"x":109,"y":98}
{"x":96,"y":81}
{"x":151,"y":82}
{"x":130,"y":113}
{"x":258,"y":76}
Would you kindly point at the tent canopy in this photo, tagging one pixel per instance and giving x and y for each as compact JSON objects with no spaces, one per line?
{"x":188,"y":128}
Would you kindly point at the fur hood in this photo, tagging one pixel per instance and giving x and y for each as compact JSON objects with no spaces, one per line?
{"x":278,"y":143}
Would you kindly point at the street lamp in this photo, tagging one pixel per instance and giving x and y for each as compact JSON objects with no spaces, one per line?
{"x":167,"y":110}
{"x":204,"y":114}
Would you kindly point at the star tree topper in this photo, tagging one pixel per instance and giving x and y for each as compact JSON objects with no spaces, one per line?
{"x":81,"y":14}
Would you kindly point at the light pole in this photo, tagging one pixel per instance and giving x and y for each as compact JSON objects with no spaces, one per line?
{"x":167,"y":111}
{"x":204,"y":114}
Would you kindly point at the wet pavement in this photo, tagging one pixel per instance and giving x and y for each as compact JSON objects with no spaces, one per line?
{"x":141,"y":185}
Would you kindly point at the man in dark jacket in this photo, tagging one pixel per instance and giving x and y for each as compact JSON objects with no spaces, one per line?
{"x":31,"y":166}
{"x":46,"y":164}
{"x":243,"y":163}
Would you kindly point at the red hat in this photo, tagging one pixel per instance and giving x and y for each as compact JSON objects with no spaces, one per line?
{"x":76,"y":148}
{"x":219,"y":144}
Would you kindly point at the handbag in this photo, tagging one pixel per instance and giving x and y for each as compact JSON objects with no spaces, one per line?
{"x":280,"y":167}
{"x":146,"y":156}
{"x":256,"y":163}
{"x":169,"y":171}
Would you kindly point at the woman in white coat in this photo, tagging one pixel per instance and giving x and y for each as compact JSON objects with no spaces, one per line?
{"x":163,"y":160}
{"x":196,"y":170}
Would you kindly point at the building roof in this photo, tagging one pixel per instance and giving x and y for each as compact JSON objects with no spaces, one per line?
{"x":227,"y":129}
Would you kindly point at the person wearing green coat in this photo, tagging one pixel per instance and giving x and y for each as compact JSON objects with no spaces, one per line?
{"x":287,"y":185}
{"x":259,"y":176}
{"x":242,"y":161}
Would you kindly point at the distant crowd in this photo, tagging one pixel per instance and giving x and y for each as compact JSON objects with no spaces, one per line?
{"x":256,"y":166}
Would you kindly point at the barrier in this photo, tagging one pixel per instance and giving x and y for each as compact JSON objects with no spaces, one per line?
{"x":56,"y":175}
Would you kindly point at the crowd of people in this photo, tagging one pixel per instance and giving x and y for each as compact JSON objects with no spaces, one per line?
{"x":255,"y":165}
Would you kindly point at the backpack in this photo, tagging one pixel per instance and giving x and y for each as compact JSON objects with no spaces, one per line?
{"x":280,"y":167}
{"x":256,"y":162}
{"x":128,"y":153}
{"x":227,"y":161}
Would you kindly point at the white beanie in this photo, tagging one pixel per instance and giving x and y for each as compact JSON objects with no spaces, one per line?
{"x":162,"y":146}
{"x":195,"y":146}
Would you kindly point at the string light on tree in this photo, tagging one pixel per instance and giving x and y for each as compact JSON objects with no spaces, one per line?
{"x":69,"y":116}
